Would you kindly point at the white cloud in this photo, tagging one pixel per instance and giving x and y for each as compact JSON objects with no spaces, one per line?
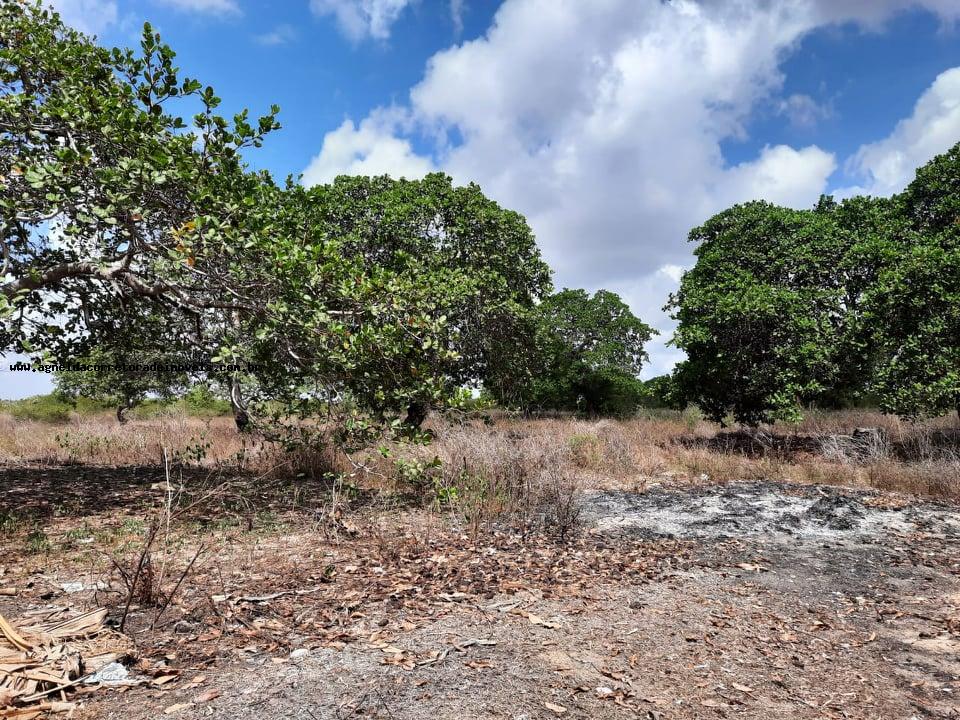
{"x":280,"y":35}
{"x":358,"y":19}
{"x":602,"y":123}
{"x":368,"y":149}
{"x":89,"y":16}
{"x":888,"y":166}
{"x":803,"y":111}
{"x":457,"y":9}
{"x":781,"y":175}
{"x":674,"y":272}
{"x":213,"y":7}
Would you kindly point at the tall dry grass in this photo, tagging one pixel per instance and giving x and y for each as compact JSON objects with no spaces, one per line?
{"x":101,"y":440}
{"x":485,"y":469}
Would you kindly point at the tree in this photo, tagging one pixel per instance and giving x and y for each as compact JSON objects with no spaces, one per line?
{"x":659,"y":393}
{"x":117,"y":221}
{"x":105,"y":194}
{"x":485,"y":255}
{"x":914,"y":307}
{"x":768,"y":315}
{"x":125,"y":379}
{"x":847,"y":301}
{"x":586,"y":356}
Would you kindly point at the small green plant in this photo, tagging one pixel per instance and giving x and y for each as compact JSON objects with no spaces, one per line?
{"x":133,"y":526}
{"x":78,"y":533}
{"x":9,"y":522}
{"x":82,"y":446}
{"x":194,"y":453}
{"x":447,"y":494}
{"x":37,"y":541}
{"x":416,"y":473}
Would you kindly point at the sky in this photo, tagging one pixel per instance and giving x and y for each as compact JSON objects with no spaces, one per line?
{"x":614,"y":126}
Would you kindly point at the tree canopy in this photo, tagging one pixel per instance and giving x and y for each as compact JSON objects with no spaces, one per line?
{"x":914,"y":307}
{"x":586,"y":355}
{"x":363,"y":302}
{"x":787,"y":308}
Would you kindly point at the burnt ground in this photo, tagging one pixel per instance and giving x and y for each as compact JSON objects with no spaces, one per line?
{"x":752,"y":600}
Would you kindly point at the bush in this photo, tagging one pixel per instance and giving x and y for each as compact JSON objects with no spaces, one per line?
{"x":43,"y":408}
{"x":201,"y":400}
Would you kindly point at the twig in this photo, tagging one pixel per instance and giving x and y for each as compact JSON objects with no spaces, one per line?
{"x":176,"y":587}
{"x":460,"y":647}
{"x":154,"y":529}
{"x":274,"y":596}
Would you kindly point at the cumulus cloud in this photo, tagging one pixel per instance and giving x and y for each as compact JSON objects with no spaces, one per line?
{"x":887,"y":166}
{"x":780,"y":175}
{"x":370,"y":148}
{"x":212,"y":7}
{"x":89,"y":16}
{"x":359,"y":19}
{"x":603,"y":123}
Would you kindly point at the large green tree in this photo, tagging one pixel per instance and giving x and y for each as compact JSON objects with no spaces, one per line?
{"x":786,"y":308}
{"x":914,"y":307}
{"x":105,"y":193}
{"x":485,"y":255}
{"x":346,"y":309}
{"x":768,"y":315}
{"x":119,"y":219}
{"x":586,"y":354}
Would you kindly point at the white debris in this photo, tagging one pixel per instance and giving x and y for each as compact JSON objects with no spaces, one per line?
{"x":112,"y":674}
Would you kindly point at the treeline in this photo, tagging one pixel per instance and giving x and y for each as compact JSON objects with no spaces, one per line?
{"x":848,"y":301}
{"x":131,"y":236}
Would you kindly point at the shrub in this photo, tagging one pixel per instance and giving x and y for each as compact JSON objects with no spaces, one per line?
{"x":43,"y":408}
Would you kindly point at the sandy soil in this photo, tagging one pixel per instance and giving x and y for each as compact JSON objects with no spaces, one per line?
{"x":795,"y":602}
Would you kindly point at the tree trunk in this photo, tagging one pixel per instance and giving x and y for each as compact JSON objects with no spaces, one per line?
{"x":240,"y":416}
{"x":416,"y":414}
{"x":122,"y":411}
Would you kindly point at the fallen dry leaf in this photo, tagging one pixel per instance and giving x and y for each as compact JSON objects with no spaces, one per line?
{"x":172,"y":709}
{"x":537,"y":620}
{"x":207,"y":696}
{"x":558,"y":709}
{"x":479,"y":664}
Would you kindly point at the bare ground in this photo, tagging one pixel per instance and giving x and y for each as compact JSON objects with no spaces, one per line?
{"x":754,"y":600}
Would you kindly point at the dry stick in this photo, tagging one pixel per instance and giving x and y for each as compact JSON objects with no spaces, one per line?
{"x":166,"y":517}
{"x":154,"y":529}
{"x":274,"y":596}
{"x":37,"y":696}
{"x":176,"y":587}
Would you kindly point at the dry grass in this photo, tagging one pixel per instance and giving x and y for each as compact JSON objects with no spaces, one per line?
{"x":528,"y":468}
{"x":101,"y":440}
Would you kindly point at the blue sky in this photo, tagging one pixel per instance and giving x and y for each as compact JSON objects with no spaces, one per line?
{"x":614,"y":126}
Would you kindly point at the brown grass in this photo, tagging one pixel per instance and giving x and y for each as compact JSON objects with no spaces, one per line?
{"x":484,"y":470}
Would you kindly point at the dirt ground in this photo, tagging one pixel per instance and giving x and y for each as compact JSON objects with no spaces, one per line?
{"x":753,"y":600}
